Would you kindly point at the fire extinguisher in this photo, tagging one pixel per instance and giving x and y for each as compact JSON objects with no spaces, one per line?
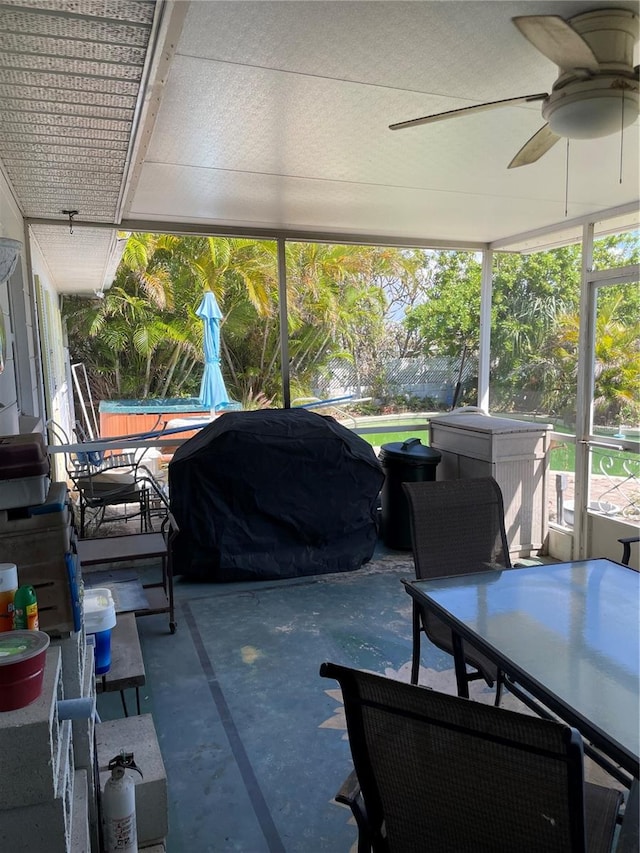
{"x":119,"y":806}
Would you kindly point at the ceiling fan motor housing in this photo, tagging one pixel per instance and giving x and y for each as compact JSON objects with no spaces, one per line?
{"x":611,"y":34}
{"x":586,"y":104}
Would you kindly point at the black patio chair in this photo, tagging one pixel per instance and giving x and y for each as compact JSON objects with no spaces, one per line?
{"x":102,"y":479}
{"x":437,"y":772}
{"x":457,"y":528}
{"x":626,"y":543}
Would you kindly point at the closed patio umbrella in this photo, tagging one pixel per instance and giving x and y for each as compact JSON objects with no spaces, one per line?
{"x":213,"y":393}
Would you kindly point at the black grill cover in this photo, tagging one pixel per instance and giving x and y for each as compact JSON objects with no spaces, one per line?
{"x":273,"y":494}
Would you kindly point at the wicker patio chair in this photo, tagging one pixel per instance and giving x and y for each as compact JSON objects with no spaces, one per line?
{"x":457,"y":528}
{"x":438,"y":772}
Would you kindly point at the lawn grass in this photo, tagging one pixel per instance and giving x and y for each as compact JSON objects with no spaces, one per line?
{"x":561,"y":458}
{"x":377,"y":439}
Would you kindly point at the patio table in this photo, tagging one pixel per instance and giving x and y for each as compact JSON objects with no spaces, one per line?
{"x":567,"y":633}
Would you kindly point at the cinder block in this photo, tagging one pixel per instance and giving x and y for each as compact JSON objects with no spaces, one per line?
{"x":80,"y":839}
{"x":30,"y":739}
{"x":83,"y":729}
{"x":138,"y":735}
{"x":26,"y":828}
{"x":66,"y":768}
{"x":72,"y":648}
{"x":83,"y":748}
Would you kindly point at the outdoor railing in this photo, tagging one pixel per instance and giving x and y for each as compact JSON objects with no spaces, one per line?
{"x":614,"y":479}
{"x":615,"y":467}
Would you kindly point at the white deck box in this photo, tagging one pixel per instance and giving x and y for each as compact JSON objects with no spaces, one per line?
{"x":515,"y":453}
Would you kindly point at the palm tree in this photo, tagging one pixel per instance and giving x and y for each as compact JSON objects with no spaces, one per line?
{"x":144,"y":337}
{"x":617,"y":355}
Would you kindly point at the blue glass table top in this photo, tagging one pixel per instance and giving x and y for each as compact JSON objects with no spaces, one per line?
{"x":571,"y":629}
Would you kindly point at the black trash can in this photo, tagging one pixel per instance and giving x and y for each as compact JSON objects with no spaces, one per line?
{"x":403,"y":462}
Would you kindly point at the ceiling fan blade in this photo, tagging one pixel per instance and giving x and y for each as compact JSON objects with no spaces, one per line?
{"x":557,"y":40}
{"x":535,"y":147}
{"x":463,"y":111}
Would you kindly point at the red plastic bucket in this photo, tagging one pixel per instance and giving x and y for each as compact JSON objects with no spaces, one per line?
{"x":22,"y":660}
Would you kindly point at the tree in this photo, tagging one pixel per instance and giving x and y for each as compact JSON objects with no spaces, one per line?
{"x":144,"y":338}
{"x":617,"y":355}
{"x":534,"y":322}
{"x":529,"y":291}
{"x":124,"y":337}
{"x":362,"y":304}
{"x":448,"y":318}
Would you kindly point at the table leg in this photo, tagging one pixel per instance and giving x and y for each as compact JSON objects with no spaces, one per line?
{"x":461,"y":668}
{"x":630,"y":831}
{"x":415,"y":654}
{"x":167,"y":566}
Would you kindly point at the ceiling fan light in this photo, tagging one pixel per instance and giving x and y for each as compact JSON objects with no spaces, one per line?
{"x":594,"y":116}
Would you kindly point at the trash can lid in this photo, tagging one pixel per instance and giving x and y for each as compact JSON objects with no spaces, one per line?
{"x":411,"y":451}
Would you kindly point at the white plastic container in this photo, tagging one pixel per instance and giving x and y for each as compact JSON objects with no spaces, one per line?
{"x":99,"y":619}
{"x":8,"y":587}
{"x":23,"y":491}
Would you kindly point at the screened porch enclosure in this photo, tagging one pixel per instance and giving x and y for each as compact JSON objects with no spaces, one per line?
{"x":270,"y":121}
{"x":527,"y":363}
{"x":203,"y":129}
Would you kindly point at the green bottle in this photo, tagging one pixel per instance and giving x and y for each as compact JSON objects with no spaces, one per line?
{"x":25,"y":609}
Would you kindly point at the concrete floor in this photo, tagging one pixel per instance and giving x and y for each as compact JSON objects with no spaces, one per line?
{"x":253,"y":740}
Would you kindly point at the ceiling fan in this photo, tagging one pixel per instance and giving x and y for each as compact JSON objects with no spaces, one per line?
{"x":597,"y":92}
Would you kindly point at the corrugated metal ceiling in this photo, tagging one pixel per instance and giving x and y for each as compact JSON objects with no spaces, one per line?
{"x":70,"y":78}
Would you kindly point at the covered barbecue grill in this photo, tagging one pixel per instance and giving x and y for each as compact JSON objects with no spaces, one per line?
{"x":273,"y":494}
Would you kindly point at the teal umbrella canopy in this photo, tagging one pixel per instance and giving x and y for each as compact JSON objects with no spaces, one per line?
{"x":213,"y":394}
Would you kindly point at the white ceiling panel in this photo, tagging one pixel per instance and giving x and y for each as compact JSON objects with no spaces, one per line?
{"x":332,"y":131}
{"x":269,"y":103}
{"x":455,"y":49}
{"x":246,"y":200}
{"x":274,"y":116}
{"x":315,"y":127}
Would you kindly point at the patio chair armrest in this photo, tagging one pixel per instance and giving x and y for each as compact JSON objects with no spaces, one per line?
{"x":152,"y":485}
{"x":350,"y":795}
{"x":349,"y":790}
{"x":170,"y":527}
{"x":626,"y":543}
